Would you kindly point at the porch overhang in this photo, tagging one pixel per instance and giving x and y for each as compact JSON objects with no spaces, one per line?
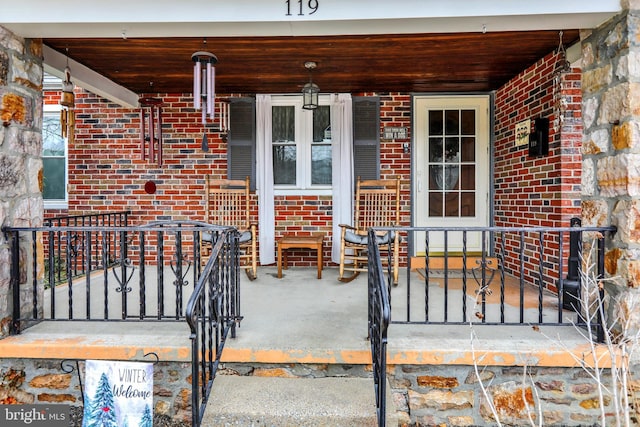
{"x":204,"y":18}
{"x":124,"y":49}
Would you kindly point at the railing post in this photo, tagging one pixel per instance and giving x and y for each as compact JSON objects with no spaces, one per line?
{"x":15,"y":281}
{"x":571,"y":285}
{"x":379,"y":313}
{"x":601,"y":327}
{"x":124,"y":257}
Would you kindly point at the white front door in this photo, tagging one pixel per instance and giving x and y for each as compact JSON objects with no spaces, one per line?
{"x":451,"y":184}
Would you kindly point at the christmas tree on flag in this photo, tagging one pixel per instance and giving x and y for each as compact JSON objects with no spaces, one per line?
{"x":118,"y":394}
{"x":100,"y":412}
{"x":147,"y":419}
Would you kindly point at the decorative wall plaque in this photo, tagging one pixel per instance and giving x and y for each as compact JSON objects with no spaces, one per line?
{"x":392,"y":132}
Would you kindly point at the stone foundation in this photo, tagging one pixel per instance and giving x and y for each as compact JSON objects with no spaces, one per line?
{"x":451,"y":395}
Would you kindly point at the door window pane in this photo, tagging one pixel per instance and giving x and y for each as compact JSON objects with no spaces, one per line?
{"x":435,"y":122}
{"x":451,"y":204}
{"x":435,"y":204}
{"x":468,"y":178}
{"x":468,"y":122}
{"x":435,"y":150}
{"x":452,"y":122}
{"x":468,"y":204}
{"x":436,"y":177}
{"x":452,"y":150}
{"x":468,"y":151}
{"x":451,"y":177}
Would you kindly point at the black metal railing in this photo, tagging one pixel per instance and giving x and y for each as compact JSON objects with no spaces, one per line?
{"x":70,"y":254}
{"x":379,"y":312}
{"x":212,"y":313}
{"x":517,"y":278}
{"x":156,"y":268}
{"x":153,"y":272}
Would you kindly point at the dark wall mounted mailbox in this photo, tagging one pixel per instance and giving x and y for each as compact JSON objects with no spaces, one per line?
{"x":539,"y":138}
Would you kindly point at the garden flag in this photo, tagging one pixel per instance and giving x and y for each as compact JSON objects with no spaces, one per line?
{"x":118,"y":394}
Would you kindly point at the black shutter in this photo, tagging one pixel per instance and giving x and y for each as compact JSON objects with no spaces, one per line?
{"x":241,"y":143}
{"x":366,"y":137}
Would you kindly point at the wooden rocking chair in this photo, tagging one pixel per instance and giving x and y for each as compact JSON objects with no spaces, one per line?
{"x":228,"y":204}
{"x":377,"y":204}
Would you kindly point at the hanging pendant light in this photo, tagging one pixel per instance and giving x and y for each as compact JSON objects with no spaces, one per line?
{"x":204,"y":83}
{"x":310,"y":90}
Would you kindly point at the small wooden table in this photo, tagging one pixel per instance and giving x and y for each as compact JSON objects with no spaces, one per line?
{"x":289,"y":241}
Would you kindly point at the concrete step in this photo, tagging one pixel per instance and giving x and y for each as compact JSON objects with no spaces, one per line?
{"x":310,"y":402}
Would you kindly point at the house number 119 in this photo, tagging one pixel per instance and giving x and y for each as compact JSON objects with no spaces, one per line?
{"x":311,"y":5}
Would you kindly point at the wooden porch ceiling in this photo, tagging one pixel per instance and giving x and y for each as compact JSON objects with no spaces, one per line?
{"x":450,"y":62}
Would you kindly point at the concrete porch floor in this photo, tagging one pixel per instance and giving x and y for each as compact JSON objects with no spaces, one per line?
{"x":302,"y":319}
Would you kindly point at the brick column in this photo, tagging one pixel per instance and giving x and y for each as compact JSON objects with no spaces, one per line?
{"x":20,"y":149}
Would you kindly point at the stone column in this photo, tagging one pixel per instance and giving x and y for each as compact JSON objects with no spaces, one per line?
{"x":20,"y":149}
{"x":611,"y":155}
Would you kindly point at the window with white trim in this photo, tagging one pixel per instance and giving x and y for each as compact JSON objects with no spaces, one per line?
{"x":314,"y":167}
{"x":301,"y":144}
{"x":54,"y":160}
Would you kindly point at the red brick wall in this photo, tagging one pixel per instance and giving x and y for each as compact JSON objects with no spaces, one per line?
{"x":395,"y":111}
{"x":107,"y":173}
{"x":537,"y":191}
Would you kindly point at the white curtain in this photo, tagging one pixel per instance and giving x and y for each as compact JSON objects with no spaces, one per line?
{"x":266,"y":215}
{"x":342,"y":166}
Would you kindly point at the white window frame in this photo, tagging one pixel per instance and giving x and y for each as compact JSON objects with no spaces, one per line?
{"x":304,"y":140}
{"x":49,"y":110}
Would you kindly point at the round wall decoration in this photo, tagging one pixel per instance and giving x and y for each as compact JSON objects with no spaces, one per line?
{"x":150,"y":187}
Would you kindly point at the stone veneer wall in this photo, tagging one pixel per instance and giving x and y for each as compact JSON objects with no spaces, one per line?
{"x":20,"y":148}
{"x":43,"y":381}
{"x":611,"y":153}
{"x":451,"y":395}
